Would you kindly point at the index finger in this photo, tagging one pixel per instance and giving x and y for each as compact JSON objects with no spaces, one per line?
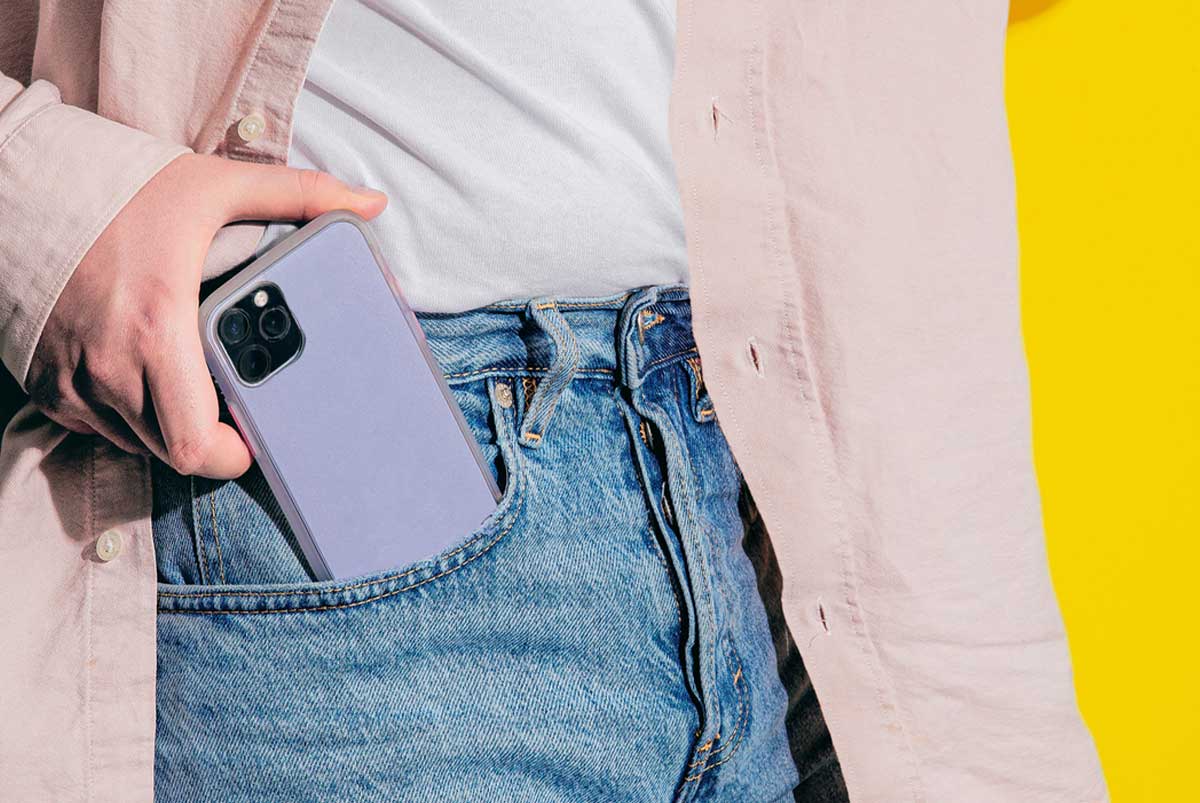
{"x":278,"y":192}
{"x":185,"y":404}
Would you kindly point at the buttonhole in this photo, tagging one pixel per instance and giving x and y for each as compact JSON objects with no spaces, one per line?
{"x":717,"y":114}
{"x":823,"y":617}
{"x":755,"y":357}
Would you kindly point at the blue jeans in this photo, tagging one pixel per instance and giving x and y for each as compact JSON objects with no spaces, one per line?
{"x":601,"y":637}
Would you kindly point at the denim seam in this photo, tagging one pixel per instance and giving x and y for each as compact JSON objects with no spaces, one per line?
{"x":198,"y":535}
{"x":519,"y":498}
{"x":671,"y":293}
{"x":515,"y":370}
{"x":693,"y":364}
{"x":648,"y":319}
{"x":690,"y":513}
{"x":579,"y":372}
{"x":669,"y":357}
{"x":742,"y":696}
{"x":613,"y":303}
{"x":701,"y":407}
{"x":336,"y":589}
{"x":212,"y":507}
{"x":666,"y":569}
{"x":528,"y":388}
{"x":651,"y":520}
{"x":540,"y":413}
{"x":718,"y":581}
{"x":734,"y":739}
{"x":514,"y":506}
{"x":738,"y":730}
{"x":537,"y":434}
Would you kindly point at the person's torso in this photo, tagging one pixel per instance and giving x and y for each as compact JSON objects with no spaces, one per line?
{"x":524,"y":148}
{"x":847,"y":189}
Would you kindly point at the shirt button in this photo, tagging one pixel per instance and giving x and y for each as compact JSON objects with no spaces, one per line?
{"x":108,"y":545}
{"x":251,"y":127}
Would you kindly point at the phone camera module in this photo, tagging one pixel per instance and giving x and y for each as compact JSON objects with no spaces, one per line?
{"x":260,"y":334}
{"x":234,"y":327}
{"x":274,"y":323}
{"x":254,"y":363}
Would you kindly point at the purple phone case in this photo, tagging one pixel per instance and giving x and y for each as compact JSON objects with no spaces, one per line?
{"x":358,"y":435}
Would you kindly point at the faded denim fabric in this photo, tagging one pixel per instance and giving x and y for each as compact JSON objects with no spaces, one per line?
{"x":601,"y":637}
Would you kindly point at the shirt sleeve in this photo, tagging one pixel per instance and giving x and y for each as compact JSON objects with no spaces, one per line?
{"x":65,"y":173}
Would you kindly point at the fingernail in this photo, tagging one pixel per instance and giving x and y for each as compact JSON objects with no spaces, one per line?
{"x":369,"y":191}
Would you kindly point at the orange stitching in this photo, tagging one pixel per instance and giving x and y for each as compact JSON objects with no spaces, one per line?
{"x":553,"y":402}
{"x":533,"y":436}
{"x":507,"y":369}
{"x":689,"y":510}
{"x":498,"y":369}
{"x":198,"y":534}
{"x":669,"y":357}
{"x":529,"y":387}
{"x":650,"y":318}
{"x":356,"y":603}
{"x":518,"y":490}
{"x":212,"y":505}
{"x":694,"y":364}
{"x":743,"y":714}
{"x":652,"y":523}
{"x":646,"y":321}
{"x":704,"y":748}
{"x":614,"y":303}
{"x":674,"y":294}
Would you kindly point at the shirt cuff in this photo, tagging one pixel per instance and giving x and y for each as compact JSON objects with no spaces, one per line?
{"x":65,"y":173}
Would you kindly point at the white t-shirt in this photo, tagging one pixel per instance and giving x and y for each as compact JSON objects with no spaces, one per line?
{"x":523,"y":144}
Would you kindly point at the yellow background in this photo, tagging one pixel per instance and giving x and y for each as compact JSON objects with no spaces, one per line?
{"x":1104,"y":106}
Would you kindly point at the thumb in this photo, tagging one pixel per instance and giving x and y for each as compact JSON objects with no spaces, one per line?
{"x":273,"y":192}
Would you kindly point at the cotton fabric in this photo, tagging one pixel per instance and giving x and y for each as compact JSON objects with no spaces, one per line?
{"x":848,"y":202}
{"x":523,"y":146}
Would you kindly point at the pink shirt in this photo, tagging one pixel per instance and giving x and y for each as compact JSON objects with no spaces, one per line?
{"x":848,"y":199}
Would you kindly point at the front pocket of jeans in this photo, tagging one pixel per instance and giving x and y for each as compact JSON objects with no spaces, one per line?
{"x":301,"y":596}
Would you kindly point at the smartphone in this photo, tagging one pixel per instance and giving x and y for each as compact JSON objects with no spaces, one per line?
{"x":326,"y":372}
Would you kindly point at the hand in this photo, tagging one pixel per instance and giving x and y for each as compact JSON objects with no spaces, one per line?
{"x":120,"y":355}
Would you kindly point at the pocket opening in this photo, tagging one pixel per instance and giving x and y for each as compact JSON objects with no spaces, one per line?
{"x":308,"y":596}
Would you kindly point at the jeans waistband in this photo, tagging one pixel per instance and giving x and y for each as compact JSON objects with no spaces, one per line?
{"x":556,"y":340}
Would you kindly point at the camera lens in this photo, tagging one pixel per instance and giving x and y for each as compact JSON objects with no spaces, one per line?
{"x":254,"y":363}
{"x":234,"y":326}
{"x":274,"y":323}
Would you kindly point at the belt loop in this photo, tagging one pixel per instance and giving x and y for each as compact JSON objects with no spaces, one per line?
{"x":630,"y":332}
{"x":546,"y":314}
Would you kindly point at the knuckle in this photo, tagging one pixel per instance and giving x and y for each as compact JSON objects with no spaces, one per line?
{"x":55,"y":411}
{"x":188,"y":455}
{"x":312,"y":185}
{"x":153,"y":321}
{"x":105,"y":374}
{"x":310,"y":180}
{"x":61,"y":411}
{"x":62,"y":393}
{"x":51,"y":379}
{"x":46,"y":388}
